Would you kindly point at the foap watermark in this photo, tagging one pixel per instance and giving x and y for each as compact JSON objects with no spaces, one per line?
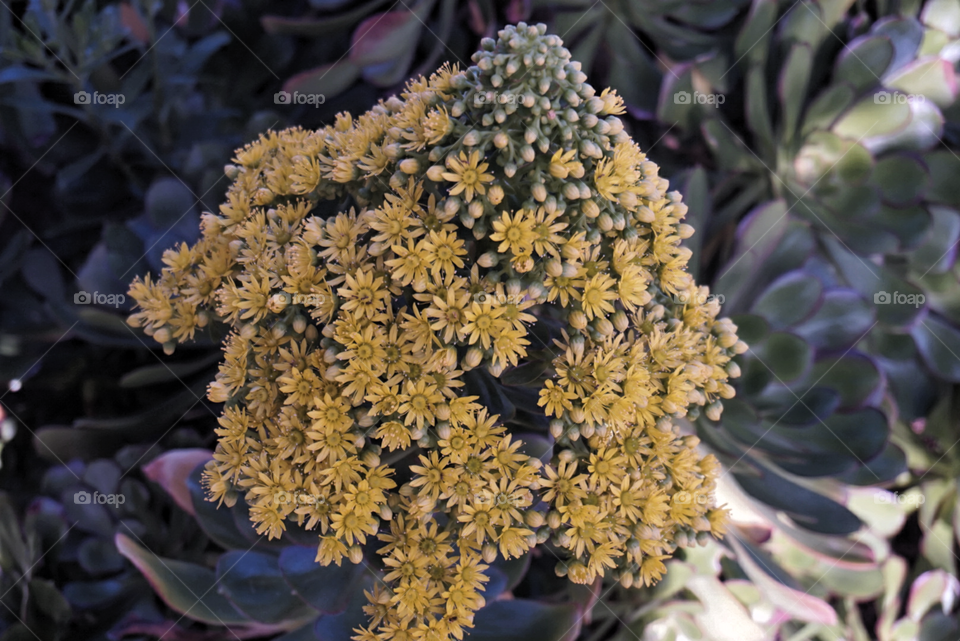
{"x":497,"y":300}
{"x":281,"y":300}
{"x":96,"y":298}
{"x":698,"y":299}
{"x":896,"y":298}
{"x":895,"y":498}
{"x":897,"y":98}
{"x":495,"y":98}
{"x":697,"y":98}
{"x":688,"y":498}
{"x":85,"y":498}
{"x":97,"y":98}
{"x":297,"y":98}
{"x":298,"y":498}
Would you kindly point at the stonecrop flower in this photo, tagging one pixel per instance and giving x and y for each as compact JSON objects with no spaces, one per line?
{"x":379,"y":275}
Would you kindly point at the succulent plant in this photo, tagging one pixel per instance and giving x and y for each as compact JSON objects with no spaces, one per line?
{"x":372,"y":269}
{"x":261,"y":587}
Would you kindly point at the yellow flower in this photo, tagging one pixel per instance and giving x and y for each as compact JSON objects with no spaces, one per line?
{"x":596,"y":297}
{"x":374,"y":276}
{"x":483,"y":322}
{"x":468,"y":174}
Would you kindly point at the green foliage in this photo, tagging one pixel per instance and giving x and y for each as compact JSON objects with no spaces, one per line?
{"x":270,"y":587}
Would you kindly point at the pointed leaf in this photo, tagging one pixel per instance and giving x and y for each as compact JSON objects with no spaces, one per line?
{"x":186,"y":588}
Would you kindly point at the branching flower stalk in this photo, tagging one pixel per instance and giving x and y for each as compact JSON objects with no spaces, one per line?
{"x":364,"y":268}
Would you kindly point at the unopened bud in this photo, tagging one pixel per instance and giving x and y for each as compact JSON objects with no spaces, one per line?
{"x":473,"y":358}
{"x":488,"y":260}
{"x":714,"y":411}
{"x":553,"y":520}
{"x":355,"y":553}
{"x":489,"y":553}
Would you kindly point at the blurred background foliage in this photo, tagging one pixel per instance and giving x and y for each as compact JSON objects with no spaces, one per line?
{"x":823,"y":179}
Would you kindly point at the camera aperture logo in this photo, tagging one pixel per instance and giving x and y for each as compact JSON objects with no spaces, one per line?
{"x":896,"y":498}
{"x":699,"y":299}
{"x":96,"y":298}
{"x":97,"y":98}
{"x":897,"y":98}
{"x":297,"y":98}
{"x":688,"y":498}
{"x":896,"y":298}
{"x":498,"y":300}
{"x":85,"y":498}
{"x":495,"y":98}
{"x":697,"y":98}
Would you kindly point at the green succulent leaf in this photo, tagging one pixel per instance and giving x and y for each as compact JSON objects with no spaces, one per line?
{"x":525,"y":620}
{"x":326,"y":589}
{"x":253,"y":582}
{"x":217,"y":522}
{"x":786,"y":355}
{"x":864,"y":61}
{"x":790,"y":299}
{"x":186,"y":588}
{"x":939,"y":345}
{"x":843,"y":319}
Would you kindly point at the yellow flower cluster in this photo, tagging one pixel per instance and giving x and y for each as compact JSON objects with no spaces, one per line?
{"x":486,"y":219}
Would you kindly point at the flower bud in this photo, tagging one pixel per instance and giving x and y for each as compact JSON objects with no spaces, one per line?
{"x":571,"y":192}
{"x":488,"y":260}
{"x":163,"y":335}
{"x":501,"y":140}
{"x":409,"y":166}
{"x":590,"y":208}
{"x":299,"y":324}
{"x":472,"y":139}
{"x":495,"y":194}
{"x":473,"y":358}
{"x":475,"y":208}
{"x":714,"y":410}
{"x":435,"y":173}
{"x":451,"y":205}
{"x":603,"y":326}
{"x":527,"y":153}
{"x":355,"y":553}
{"x":577,"y":320}
{"x":621,"y":321}
{"x":539,"y":192}
{"x":533,"y":518}
{"x":489,"y":553}
{"x":554,"y":267}
{"x":577,"y":415}
{"x":554,"y":520}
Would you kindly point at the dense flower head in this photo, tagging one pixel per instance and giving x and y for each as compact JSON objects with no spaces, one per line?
{"x":489,"y":220}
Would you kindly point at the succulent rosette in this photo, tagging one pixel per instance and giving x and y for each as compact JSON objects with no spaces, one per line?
{"x":460,"y":326}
